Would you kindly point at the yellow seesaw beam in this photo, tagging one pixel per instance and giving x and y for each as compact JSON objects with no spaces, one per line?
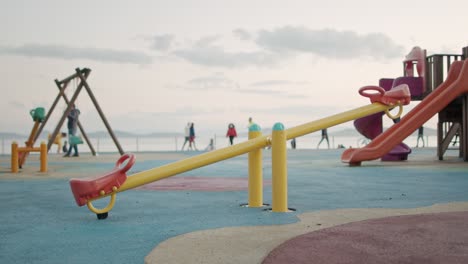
{"x":168,"y":170}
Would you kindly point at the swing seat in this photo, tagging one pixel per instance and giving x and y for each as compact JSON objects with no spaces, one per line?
{"x":86,"y":189}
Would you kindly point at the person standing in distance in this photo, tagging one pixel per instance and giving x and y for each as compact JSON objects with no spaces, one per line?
{"x":324,"y":137}
{"x":250,"y":122}
{"x":231,"y":133}
{"x":72,"y":129}
{"x":187,"y":135}
{"x":420,"y":136}
{"x":192,"y":137}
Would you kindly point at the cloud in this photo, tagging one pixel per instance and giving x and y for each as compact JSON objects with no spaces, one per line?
{"x":216,"y":81}
{"x":207,"y":52}
{"x":329,"y":43}
{"x":276,"y":88}
{"x":270,"y":47}
{"x":216,"y":56}
{"x":162,"y":42}
{"x":70,"y":53}
{"x":277,"y":83}
{"x":265,"y":48}
{"x":16,"y":105}
{"x":207,"y":41}
{"x":242,"y":34}
{"x":284,"y":94}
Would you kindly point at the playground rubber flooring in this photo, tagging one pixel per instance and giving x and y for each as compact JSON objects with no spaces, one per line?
{"x":414,"y":211}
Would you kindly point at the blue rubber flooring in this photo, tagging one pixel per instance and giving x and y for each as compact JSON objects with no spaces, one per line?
{"x":40,"y":222}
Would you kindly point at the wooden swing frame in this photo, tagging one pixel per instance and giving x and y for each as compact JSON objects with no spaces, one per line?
{"x":81,"y":75}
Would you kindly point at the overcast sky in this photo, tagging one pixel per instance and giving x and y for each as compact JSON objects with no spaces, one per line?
{"x":158,"y":64}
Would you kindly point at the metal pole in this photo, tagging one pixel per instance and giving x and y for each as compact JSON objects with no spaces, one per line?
{"x":279,"y":169}
{"x":43,"y":157}
{"x":255,"y":170}
{"x":14,"y":157}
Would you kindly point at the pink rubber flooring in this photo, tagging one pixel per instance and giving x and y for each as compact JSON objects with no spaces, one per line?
{"x":425,"y":238}
{"x":201,"y":184}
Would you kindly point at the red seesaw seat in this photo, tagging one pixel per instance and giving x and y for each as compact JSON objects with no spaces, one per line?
{"x":88,"y":188}
{"x":398,"y":95}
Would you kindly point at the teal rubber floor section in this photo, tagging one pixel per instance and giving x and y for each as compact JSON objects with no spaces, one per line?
{"x":40,"y":222}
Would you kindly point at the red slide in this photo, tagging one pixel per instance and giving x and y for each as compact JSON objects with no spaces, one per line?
{"x":455,"y":85}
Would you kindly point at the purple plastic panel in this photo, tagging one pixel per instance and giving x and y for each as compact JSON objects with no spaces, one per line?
{"x":415,"y":84}
{"x":386,"y":83}
{"x":370,"y":126}
{"x":398,"y":153}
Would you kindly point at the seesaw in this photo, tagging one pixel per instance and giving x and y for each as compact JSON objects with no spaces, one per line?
{"x":87,"y":190}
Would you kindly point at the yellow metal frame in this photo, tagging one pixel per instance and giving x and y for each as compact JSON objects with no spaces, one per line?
{"x":15,"y":158}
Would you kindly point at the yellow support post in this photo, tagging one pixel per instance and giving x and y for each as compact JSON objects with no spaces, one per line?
{"x":43,"y":157}
{"x":14,"y":157}
{"x":279,"y":169}
{"x":255,"y":170}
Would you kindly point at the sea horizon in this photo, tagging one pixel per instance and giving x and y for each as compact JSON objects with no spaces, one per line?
{"x":175,"y":143}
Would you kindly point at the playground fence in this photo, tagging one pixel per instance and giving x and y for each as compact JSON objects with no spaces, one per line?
{"x":174,"y":143}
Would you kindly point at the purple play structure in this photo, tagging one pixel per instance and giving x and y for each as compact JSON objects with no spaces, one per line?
{"x":371,"y":126}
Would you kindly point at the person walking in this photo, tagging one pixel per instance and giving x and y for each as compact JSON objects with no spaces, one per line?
{"x":192,"y":144}
{"x":72,"y":129}
{"x":324,"y":137}
{"x":250,"y":122}
{"x":420,"y":136}
{"x":455,"y":140}
{"x":187,"y":135}
{"x":293,"y":143}
{"x":231,"y":133}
